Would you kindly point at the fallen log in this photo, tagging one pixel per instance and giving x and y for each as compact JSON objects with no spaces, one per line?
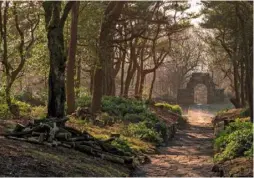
{"x":48,"y":132}
{"x":104,"y":155}
{"x":19,"y":128}
{"x":29,"y":140}
{"x":27,"y":131}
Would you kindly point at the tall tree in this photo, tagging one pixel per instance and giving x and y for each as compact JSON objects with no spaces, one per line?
{"x":70,"y":89}
{"x":54,"y":26}
{"x":232,"y":26}
{"x":111,"y":14}
{"x":25,"y":34}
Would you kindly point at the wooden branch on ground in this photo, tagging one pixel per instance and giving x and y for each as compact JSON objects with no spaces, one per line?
{"x":48,"y":132}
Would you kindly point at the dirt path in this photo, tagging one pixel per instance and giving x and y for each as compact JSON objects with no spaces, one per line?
{"x":188,"y":155}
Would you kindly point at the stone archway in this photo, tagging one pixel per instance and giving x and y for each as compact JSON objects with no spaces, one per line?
{"x":186,"y":96}
{"x":200,"y":94}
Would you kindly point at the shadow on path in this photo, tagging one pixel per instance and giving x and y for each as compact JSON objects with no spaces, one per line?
{"x":189,"y":154}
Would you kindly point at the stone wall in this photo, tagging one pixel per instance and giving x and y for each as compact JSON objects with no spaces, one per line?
{"x":186,"y":96}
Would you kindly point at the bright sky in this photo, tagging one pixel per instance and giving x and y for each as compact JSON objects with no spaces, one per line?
{"x":195,"y":7}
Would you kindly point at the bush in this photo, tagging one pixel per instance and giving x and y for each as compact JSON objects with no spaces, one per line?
{"x":122,"y":145}
{"x":141,"y":131}
{"x":245,"y":112}
{"x":181,"y":121}
{"x":174,"y":108}
{"x":134,"y":118}
{"x":120,"y":106}
{"x":24,"y":108}
{"x":83,"y":101}
{"x":133,"y":111}
{"x":42,"y":95}
{"x":39,"y":112}
{"x":235,"y":141}
{"x":4,"y":112}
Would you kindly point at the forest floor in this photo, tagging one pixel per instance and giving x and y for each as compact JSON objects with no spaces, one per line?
{"x":23,"y":159}
{"x":190,"y":153}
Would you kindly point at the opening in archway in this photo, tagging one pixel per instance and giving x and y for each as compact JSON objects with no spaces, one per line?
{"x":200,"y":94}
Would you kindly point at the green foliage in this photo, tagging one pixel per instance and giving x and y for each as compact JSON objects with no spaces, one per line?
{"x":2,"y":95}
{"x":174,"y":108}
{"x":84,"y":100}
{"x":142,"y":120}
{"x":235,"y":141}
{"x":134,"y":118}
{"x":121,"y":106}
{"x":222,"y":111}
{"x":4,"y":112}
{"x":122,"y":144}
{"x":142,"y":131}
{"x":38,"y":112}
{"x":249,"y":152}
{"x":24,"y":108}
{"x":245,"y":112}
{"x":181,"y":121}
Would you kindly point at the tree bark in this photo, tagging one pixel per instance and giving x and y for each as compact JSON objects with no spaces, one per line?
{"x":70,"y":85}
{"x":108,"y":69}
{"x":142,"y":83}
{"x":242,"y":83}
{"x":236,"y":83}
{"x":78,"y":79}
{"x":10,"y":72}
{"x":132,"y":67}
{"x":115,"y":72}
{"x":152,"y":84}
{"x":91,"y":80}
{"x":111,"y":14}
{"x":122,"y":77}
{"x":137,"y":83}
{"x":56,"y":81}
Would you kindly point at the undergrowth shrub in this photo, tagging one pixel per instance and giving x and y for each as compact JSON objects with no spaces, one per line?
{"x":39,"y":112}
{"x":143,"y":132}
{"x":122,"y":144}
{"x":4,"y":112}
{"x":222,"y":111}
{"x":132,"y":111}
{"x":181,"y":121}
{"x":235,"y":141}
{"x":122,"y":106}
{"x":24,"y":108}
{"x":245,"y":112}
{"x":174,"y":108}
{"x":84,"y":100}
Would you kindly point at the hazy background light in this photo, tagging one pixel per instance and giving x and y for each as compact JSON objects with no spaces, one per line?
{"x":195,"y":8}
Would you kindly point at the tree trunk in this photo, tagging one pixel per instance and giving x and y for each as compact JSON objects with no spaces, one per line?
{"x":237,"y":97}
{"x":137,"y":83}
{"x":242,"y":85}
{"x":91,"y":80}
{"x":111,"y":14}
{"x":54,"y":27}
{"x":142,"y":83}
{"x":108,"y":68}
{"x":132,"y":67}
{"x":122,"y":77}
{"x":78,"y":79}
{"x":152,"y":84}
{"x":70,"y":89}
